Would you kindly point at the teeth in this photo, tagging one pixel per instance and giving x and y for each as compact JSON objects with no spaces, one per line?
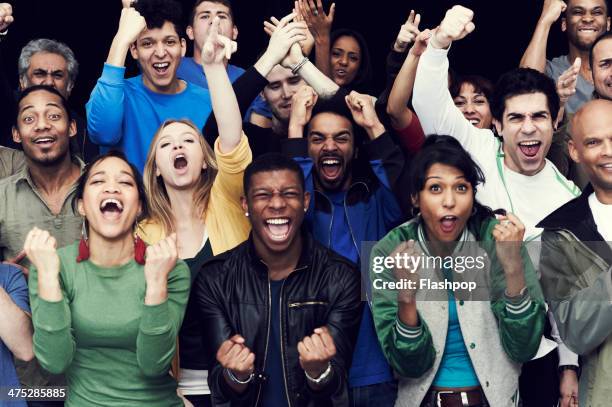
{"x":529,"y":143}
{"x":449,"y":217}
{"x":179,"y":156}
{"x":111,"y":200}
{"x":331,"y":162}
{"x":44,"y":140}
{"x":277,"y":221}
{"x":474,"y":121}
{"x":161,"y":65}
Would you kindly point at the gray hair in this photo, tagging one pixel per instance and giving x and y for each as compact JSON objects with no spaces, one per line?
{"x":50,"y":47}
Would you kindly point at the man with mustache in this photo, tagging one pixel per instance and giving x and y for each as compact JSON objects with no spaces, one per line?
{"x":583,"y":22}
{"x":352,"y":202}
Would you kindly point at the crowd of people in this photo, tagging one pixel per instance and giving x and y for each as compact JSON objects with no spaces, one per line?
{"x":207,"y":234}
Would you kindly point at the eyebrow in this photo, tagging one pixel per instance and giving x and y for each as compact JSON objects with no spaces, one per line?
{"x":339,"y":133}
{"x":38,"y":70}
{"x":102,"y":172}
{"x":52,"y":104}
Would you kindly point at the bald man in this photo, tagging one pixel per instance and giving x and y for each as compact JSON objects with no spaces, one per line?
{"x":576,"y":256}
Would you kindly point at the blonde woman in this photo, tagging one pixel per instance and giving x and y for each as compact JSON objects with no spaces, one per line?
{"x":195,"y":193}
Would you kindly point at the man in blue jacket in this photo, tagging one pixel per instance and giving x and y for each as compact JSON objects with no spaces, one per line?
{"x":352,"y":202}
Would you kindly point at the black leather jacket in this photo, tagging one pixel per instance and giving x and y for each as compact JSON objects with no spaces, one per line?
{"x":232,"y":293}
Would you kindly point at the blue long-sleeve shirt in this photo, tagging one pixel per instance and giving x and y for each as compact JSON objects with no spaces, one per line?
{"x":125,"y":114}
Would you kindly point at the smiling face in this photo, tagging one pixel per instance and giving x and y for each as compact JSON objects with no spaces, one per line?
{"x":281,"y":87}
{"x":276,"y":203}
{"x":591,"y":143}
{"x":602,"y":68}
{"x":204,"y":14}
{"x":179,"y":157}
{"x":158,"y":52}
{"x":43,"y":128}
{"x":527,"y":132}
{"x":331,"y":148}
{"x":474,"y":106}
{"x":110,"y":202}
{"x":584,"y":21}
{"x":345,"y":60}
{"x":445,"y":203}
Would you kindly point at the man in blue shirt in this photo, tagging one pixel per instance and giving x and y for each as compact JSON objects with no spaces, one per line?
{"x":15,"y":328}
{"x":126,"y":113}
{"x":352,"y":202}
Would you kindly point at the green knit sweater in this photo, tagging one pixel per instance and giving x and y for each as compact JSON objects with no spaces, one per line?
{"x":114,"y":349}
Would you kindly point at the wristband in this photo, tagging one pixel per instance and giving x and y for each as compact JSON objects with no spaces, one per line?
{"x":236,"y":380}
{"x":299,"y":65}
{"x":563,"y":368}
{"x":321,"y":377}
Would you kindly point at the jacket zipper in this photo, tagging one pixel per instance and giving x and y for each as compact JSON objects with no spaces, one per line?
{"x":280,"y":312}
{"x":267,"y":336}
{"x":298,"y":304}
{"x":356,"y":248}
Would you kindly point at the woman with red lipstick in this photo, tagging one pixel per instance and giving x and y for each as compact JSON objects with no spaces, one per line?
{"x":471,"y":94}
{"x":455,"y":347}
{"x":195,"y":193}
{"x":106,"y":313}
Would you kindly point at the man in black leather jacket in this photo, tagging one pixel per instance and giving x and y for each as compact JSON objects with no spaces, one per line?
{"x":281,"y":310}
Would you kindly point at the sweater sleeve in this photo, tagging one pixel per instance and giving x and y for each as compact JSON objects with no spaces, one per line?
{"x":54,"y":344}
{"x":246,"y":88}
{"x":521,"y":319}
{"x":105,"y":108}
{"x":160,"y":324}
{"x":228,"y":183}
{"x":434,"y":105}
{"x":409,"y":350}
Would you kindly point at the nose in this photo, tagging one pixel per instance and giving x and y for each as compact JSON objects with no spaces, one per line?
{"x":343,"y":60}
{"x":469,"y":107}
{"x":329,"y":144}
{"x":277,"y":201}
{"x":42,"y":123}
{"x":48,"y":80}
{"x":448,"y":198}
{"x":160,"y":49}
{"x":287,"y":91}
{"x":607,"y":150}
{"x":111,"y":187}
{"x":528,"y":126}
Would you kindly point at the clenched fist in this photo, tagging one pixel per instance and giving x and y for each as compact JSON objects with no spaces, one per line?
{"x":160,"y":259}
{"x":301,"y":107}
{"x":41,"y":249}
{"x":316,"y":351}
{"x":234,"y":356}
{"x":6,"y":16}
{"x":457,"y":23}
{"x":131,"y":24}
{"x":551,"y":11}
{"x":364,"y":114}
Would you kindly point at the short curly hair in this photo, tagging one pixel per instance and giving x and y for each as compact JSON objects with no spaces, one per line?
{"x":157,"y":12}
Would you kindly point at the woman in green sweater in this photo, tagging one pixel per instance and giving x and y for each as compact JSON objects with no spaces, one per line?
{"x":103,"y":314}
{"x":455,"y":347}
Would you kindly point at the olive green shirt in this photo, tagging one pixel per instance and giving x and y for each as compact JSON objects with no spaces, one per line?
{"x":11,"y":161}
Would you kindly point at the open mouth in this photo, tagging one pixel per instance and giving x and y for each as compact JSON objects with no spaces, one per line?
{"x":341,"y":73}
{"x":111,"y":209}
{"x":448,"y":223}
{"x":278,"y":228}
{"x":330,"y":167}
{"x":474,"y":121}
{"x":607,"y":167}
{"x":588,"y":30}
{"x":161,"y":67}
{"x":44,"y":141}
{"x":530,"y":148}
{"x":180,"y":161}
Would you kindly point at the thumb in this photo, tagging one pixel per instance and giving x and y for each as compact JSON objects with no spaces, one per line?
{"x":332,"y":11}
{"x":577,"y":63}
{"x":469,"y":27}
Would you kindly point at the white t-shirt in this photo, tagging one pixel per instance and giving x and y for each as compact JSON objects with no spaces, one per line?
{"x":530,"y":198}
{"x":602,"y":214}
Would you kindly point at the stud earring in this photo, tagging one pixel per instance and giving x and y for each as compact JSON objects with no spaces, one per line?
{"x":246,"y":214}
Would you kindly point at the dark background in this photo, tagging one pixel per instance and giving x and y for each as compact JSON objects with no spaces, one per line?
{"x":503,"y":30}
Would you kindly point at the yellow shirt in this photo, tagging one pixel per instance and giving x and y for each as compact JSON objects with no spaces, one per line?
{"x":224,"y":218}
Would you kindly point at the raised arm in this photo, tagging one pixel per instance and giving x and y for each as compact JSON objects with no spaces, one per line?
{"x":535,"y":54}
{"x":105,"y":106}
{"x":215,"y":51}
{"x":319,"y":25}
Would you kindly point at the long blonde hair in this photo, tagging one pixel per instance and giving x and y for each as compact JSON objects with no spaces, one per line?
{"x":160,"y":209}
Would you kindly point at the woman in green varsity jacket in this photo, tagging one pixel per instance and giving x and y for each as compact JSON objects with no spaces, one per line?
{"x":106,"y":310}
{"x":456,"y":325}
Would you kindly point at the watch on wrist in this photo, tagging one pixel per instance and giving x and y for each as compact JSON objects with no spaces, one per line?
{"x":295,"y":68}
{"x":322,"y":377}
{"x":563,"y":368}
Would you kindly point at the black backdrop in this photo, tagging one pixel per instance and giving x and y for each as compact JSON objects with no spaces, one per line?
{"x":503,"y":29}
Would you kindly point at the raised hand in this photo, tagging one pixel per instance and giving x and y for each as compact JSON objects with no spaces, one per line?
{"x":362,"y":109}
{"x":301,"y":110}
{"x":41,"y":249}
{"x":128,"y":3}
{"x":566,"y":83}
{"x":283,"y":34}
{"x":217,"y":48}
{"x":6,"y":16}
{"x":318,"y":22}
{"x":420,"y":43}
{"x":160,"y":259}
{"x":508,"y":235}
{"x":234,"y":356}
{"x":406,"y":271}
{"x":457,"y":23}
{"x":309,"y":42}
{"x":131,"y":24}
{"x":316,"y":351}
{"x":551,"y":11}
{"x":408,"y":32}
